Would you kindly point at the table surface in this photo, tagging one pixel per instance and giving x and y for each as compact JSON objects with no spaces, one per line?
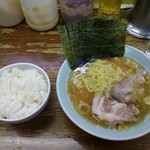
{"x":51,"y":129}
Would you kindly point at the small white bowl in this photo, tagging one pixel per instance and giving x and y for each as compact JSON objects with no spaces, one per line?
{"x":109,"y":134}
{"x":24,"y":66}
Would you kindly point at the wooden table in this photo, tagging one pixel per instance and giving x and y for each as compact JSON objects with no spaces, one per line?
{"x":51,"y":129}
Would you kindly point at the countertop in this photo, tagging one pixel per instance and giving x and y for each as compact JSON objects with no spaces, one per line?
{"x":52,"y":129}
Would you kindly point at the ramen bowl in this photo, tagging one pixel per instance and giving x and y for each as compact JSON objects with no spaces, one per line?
{"x":132,"y":132}
{"x":24,"y":101}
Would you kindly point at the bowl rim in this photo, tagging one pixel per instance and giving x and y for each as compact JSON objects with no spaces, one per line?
{"x":45,"y":101}
{"x":82,"y":123}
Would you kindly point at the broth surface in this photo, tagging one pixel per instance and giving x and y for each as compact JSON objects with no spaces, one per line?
{"x":98,"y":77}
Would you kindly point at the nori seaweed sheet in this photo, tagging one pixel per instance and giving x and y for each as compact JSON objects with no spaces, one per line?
{"x":93,"y":38}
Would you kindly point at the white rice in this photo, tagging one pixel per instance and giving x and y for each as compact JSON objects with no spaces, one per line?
{"x":21,"y":92}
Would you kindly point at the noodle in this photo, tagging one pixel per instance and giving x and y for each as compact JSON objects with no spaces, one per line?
{"x":100,"y":76}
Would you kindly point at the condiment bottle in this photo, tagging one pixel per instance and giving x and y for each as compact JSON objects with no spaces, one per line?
{"x":74,"y":10}
{"x":40,"y":15}
{"x":10,"y":13}
{"x":109,"y":8}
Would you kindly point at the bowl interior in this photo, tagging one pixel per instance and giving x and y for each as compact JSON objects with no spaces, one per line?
{"x":98,"y":131}
{"x":24,"y":66}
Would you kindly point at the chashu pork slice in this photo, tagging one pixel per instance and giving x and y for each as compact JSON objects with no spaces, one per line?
{"x":112,"y":111}
{"x":125,"y":90}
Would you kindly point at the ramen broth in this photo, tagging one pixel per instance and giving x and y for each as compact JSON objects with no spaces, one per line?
{"x":82,"y":94}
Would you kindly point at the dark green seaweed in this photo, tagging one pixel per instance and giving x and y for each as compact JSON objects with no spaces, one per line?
{"x":93,"y":38}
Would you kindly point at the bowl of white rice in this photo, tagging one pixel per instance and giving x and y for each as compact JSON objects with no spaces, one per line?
{"x":24,"y":92}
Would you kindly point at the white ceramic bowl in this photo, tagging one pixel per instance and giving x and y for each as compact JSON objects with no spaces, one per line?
{"x":24,"y":66}
{"x":98,"y":131}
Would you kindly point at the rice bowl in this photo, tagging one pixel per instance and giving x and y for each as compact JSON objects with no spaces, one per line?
{"x":24,"y":92}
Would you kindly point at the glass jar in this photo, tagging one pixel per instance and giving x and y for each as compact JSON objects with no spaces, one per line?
{"x":10,"y":13}
{"x":40,"y":15}
{"x":74,"y":10}
{"x":109,"y":8}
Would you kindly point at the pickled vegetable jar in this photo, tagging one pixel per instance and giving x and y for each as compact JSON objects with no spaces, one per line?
{"x":10,"y":13}
{"x":40,"y":15}
{"x":73,"y":10}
